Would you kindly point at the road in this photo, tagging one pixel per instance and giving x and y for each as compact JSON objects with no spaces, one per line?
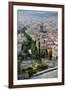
{"x":51,"y":74}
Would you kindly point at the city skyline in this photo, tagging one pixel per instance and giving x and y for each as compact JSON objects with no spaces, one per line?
{"x":32,"y":17}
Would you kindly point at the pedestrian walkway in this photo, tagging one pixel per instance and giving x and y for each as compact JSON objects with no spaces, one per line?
{"x":49,"y":73}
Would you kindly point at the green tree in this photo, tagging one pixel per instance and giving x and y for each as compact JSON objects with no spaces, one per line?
{"x":34,"y":49}
{"x":44,"y":53}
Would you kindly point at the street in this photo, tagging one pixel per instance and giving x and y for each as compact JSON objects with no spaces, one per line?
{"x":51,"y":74}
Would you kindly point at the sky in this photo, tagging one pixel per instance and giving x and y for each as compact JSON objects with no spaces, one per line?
{"x":37,"y":13}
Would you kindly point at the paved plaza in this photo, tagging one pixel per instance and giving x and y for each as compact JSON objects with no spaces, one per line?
{"x":51,"y":74}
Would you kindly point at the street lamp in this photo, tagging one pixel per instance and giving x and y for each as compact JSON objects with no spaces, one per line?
{"x":39,"y":50}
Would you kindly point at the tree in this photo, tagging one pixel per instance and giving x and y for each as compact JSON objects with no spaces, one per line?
{"x":34,"y":49}
{"x":28,"y":44}
{"x":22,"y":30}
{"x":44,"y":53}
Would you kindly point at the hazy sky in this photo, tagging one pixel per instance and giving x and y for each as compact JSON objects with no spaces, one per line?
{"x":37,"y":13}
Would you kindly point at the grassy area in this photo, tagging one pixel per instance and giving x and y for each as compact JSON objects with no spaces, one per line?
{"x":41,"y":67}
{"x":32,"y":70}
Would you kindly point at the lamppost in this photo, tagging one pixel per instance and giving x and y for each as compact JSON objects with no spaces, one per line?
{"x":39,"y":49}
{"x":41,"y":30}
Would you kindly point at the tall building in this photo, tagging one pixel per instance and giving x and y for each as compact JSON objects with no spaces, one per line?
{"x":43,"y":28}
